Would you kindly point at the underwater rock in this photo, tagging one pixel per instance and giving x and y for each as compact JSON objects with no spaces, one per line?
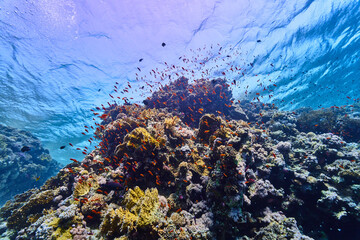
{"x":19,"y":170}
{"x":332,"y":120}
{"x":279,"y":227}
{"x":34,"y":205}
{"x":283,"y":147}
{"x":194,"y":100}
{"x":264,"y":191}
{"x":187,"y":166}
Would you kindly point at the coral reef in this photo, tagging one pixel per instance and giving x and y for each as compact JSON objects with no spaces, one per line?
{"x":22,"y":170}
{"x":279,"y":227}
{"x":140,"y":212}
{"x":192,"y":164}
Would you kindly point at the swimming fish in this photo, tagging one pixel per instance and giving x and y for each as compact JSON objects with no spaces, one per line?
{"x":25,"y":149}
{"x":62,"y":147}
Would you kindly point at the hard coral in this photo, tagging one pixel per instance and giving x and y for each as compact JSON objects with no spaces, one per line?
{"x":35,"y":204}
{"x":193,"y":100}
{"x":139,"y":142}
{"x":140,"y":212}
{"x":82,"y":187}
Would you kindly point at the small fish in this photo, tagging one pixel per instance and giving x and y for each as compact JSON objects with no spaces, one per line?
{"x":163,"y":44}
{"x":25,"y":149}
{"x":141,"y":59}
{"x":62,"y":147}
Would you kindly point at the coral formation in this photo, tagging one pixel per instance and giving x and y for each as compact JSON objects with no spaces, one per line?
{"x":22,"y":170}
{"x":192,"y":164}
{"x":140,"y":212}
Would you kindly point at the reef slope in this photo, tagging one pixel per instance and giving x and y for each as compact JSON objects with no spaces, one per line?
{"x":193,"y":164}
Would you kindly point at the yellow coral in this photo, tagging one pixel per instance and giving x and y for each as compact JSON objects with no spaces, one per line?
{"x":149,"y":113}
{"x":54,"y":222}
{"x":33,"y":218}
{"x":144,"y":205}
{"x":199,"y":165}
{"x":122,"y":238}
{"x":139,"y":139}
{"x":82,"y":188}
{"x":61,"y":234}
{"x":171,"y":122}
{"x":132,"y":197}
{"x":96,"y":202}
{"x":141,"y":209}
{"x":139,"y":136}
{"x":116,"y":221}
{"x":178,"y":219}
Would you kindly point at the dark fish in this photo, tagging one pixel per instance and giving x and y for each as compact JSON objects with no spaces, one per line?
{"x":62,"y":147}
{"x":258,"y":40}
{"x":112,"y":185}
{"x":99,"y":90}
{"x":141,"y":59}
{"x":163,"y":44}
{"x":25,"y":149}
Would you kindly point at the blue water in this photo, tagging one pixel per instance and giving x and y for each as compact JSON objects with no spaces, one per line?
{"x":60,"y":58}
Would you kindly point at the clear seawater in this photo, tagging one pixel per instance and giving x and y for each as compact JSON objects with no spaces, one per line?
{"x":61,"y":58}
